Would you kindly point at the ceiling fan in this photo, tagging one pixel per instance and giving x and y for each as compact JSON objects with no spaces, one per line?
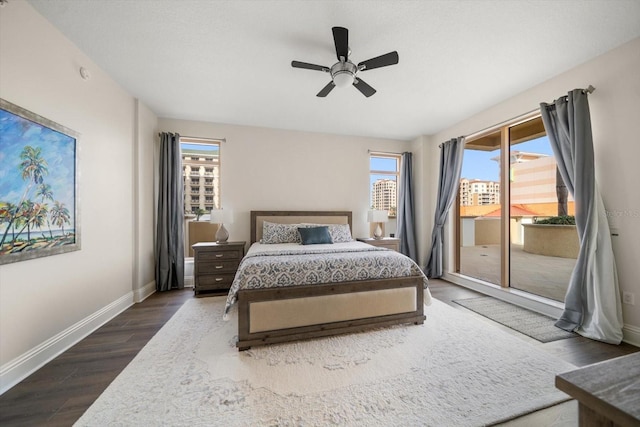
{"x":344,"y":72}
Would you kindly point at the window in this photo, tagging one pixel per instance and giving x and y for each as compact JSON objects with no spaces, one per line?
{"x":200,"y":159}
{"x":384,"y":171}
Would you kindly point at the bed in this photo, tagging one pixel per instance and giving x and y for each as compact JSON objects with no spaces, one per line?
{"x":287,"y":291}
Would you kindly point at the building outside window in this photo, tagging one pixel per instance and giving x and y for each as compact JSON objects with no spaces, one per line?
{"x":384,"y":172}
{"x":200,"y":159}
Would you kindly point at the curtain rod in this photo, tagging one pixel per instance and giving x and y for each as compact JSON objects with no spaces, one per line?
{"x":588,"y":90}
{"x":383,"y":152}
{"x":199,"y":138}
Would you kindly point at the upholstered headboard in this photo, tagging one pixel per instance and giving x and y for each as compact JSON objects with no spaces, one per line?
{"x":296,"y":217}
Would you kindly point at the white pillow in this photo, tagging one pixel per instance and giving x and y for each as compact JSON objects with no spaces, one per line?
{"x":280,"y":233}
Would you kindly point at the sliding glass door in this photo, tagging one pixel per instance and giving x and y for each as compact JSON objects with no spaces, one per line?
{"x":509,"y":187}
{"x":479,"y":212}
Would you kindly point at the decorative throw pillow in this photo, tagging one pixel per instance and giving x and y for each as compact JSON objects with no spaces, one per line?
{"x":314,"y":235}
{"x":340,"y":233}
{"x":279,"y":233}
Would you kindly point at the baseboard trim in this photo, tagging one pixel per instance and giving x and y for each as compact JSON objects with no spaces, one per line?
{"x":145,"y":292}
{"x":22,"y":366}
{"x":631,"y":335}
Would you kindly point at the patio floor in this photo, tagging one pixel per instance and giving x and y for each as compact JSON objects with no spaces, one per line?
{"x":538,"y":274}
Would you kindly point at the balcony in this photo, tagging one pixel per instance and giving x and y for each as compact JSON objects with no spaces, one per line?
{"x":544,"y":274}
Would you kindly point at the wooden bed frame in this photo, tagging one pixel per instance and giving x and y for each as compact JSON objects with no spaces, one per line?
{"x":273,"y":315}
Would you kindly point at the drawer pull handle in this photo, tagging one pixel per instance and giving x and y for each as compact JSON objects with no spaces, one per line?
{"x":218,"y":267}
{"x":219,"y":255}
{"x":219,"y":279}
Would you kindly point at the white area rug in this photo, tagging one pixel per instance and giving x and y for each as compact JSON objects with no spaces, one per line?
{"x":451,"y":371}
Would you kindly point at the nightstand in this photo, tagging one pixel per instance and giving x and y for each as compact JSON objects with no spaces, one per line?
{"x":386,"y":242}
{"x":215,"y":265}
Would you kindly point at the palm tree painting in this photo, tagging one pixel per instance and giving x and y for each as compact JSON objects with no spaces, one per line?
{"x":38,"y":186}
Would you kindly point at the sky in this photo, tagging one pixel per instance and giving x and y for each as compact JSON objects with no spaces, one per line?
{"x":200,"y":147}
{"x":478,"y":164}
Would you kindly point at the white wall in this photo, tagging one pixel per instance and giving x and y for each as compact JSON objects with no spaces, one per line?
{"x":144,"y":202}
{"x":48,"y":303}
{"x":615,"y":113}
{"x":270,"y":169}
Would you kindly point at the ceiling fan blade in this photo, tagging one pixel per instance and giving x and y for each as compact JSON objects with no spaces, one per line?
{"x":390,"y":58}
{"x":325,"y":90}
{"x":341,"y":40}
{"x":363,"y":87}
{"x":306,"y":65}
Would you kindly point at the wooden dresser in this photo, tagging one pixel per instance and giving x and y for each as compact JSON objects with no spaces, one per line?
{"x":386,"y":242}
{"x":215,"y":266}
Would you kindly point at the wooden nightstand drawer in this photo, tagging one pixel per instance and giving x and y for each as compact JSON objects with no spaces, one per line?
{"x":220,"y":255}
{"x":216,"y":266}
{"x":216,"y":281}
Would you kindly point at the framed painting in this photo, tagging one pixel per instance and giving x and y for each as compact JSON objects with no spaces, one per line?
{"x":39,"y":213}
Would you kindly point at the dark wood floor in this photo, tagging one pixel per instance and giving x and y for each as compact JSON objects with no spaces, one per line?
{"x":60,"y":392}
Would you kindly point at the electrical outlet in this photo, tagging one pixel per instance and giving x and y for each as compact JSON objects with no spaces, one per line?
{"x":629,"y":298}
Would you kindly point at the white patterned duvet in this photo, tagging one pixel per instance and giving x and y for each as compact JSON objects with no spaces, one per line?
{"x":292,"y":264}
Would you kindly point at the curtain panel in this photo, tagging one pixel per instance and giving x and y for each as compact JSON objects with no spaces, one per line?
{"x":406,"y":222}
{"x":592,"y":303}
{"x":451,"y":154}
{"x":169,"y":232}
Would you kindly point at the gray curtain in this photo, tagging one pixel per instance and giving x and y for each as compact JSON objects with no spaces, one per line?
{"x":592,"y":303}
{"x":450,"y":167}
{"x":406,"y":228}
{"x":169,"y":233}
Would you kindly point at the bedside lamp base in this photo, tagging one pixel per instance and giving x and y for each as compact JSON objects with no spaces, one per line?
{"x":377,"y":234}
{"x":222,"y":235}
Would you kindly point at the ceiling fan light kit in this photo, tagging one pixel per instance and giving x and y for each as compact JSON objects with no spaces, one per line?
{"x":344,"y":72}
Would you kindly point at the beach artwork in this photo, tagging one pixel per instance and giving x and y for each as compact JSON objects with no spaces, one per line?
{"x":38,"y":186}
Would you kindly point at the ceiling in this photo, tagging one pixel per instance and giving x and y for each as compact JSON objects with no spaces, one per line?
{"x":230,"y":61}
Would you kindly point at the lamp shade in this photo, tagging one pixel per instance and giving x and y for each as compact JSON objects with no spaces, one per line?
{"x":221,"y":216}
{"x":377,"y":216}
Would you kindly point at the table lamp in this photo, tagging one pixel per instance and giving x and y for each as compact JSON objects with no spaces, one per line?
{"x":377,"y":216}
